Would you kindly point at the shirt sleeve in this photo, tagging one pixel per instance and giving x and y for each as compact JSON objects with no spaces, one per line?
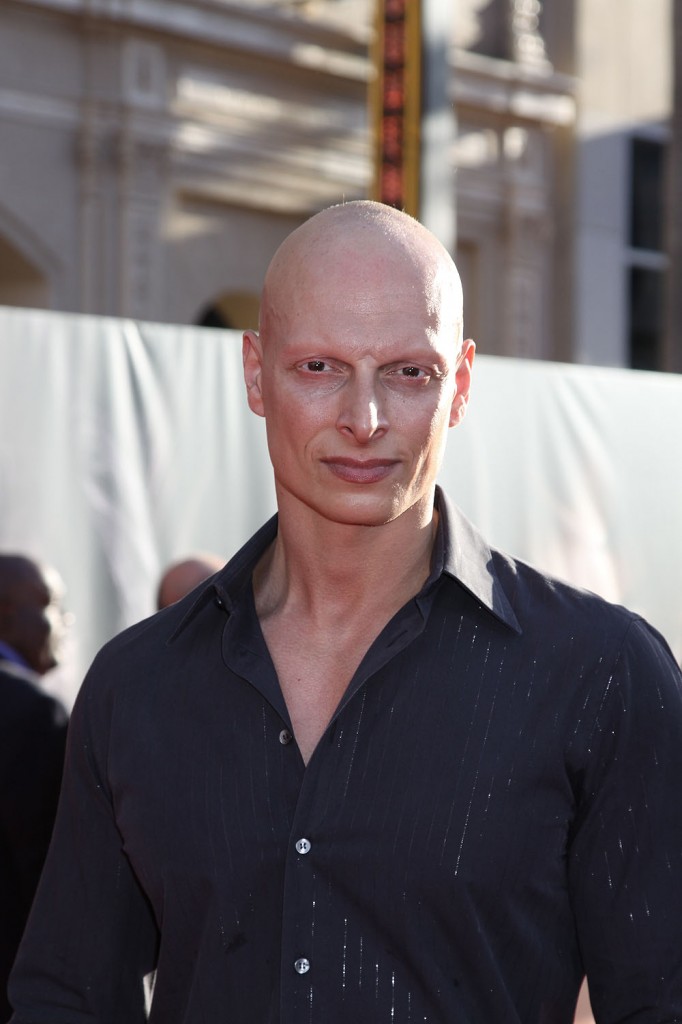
{"x":91,"y":936}
{"x":625,"y":859}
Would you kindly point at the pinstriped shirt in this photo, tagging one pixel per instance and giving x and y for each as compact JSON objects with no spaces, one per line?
{"x":492,"y":811}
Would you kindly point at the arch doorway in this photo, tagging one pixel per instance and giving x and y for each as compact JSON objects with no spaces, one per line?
{"x":236,"y":310}
{"x":21,"y":284}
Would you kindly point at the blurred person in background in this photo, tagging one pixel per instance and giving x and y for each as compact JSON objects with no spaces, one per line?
{"x":32,"y":740}
{"x":183,"y":576}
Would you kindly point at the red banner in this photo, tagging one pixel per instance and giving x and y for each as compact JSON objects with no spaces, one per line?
{"x":396,"y":103}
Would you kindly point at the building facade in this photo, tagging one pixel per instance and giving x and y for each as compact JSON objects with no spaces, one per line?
{"x":153,"y":153}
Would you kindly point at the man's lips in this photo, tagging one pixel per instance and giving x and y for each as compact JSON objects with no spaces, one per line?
{"x":360,"y":471}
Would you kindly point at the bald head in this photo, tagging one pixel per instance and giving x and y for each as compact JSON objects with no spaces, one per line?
{"x":183,"y":576}
{"x":359,"y":368}
{"x":32,"y":621}
{"x":344,"y":248}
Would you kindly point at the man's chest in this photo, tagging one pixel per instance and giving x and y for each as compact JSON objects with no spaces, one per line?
{"x":421,"y":786}
{"x":313,"y":678}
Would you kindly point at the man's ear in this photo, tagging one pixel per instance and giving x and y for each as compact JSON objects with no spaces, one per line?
{"x":252,"y":358}
{"x":463,"y":381}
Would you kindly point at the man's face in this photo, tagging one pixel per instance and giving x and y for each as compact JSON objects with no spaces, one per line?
{"x":35,"y":622}
{"x":359,"y":376}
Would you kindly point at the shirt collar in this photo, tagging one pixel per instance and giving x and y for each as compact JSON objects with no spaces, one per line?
{"x":225,"y":586}
{"x":460,"y":552}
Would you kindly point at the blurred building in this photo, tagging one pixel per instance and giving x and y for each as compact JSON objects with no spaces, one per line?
{"x":154,"y":152}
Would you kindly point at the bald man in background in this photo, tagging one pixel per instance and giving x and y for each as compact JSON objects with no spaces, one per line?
{"x":183,"y":576}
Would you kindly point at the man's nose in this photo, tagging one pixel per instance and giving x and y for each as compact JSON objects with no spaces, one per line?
{"x":362,"y":412}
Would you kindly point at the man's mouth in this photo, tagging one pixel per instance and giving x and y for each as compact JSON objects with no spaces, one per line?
{"x":360,"y":471}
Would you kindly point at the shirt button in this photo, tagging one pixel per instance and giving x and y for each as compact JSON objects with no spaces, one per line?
{"x":285,"y":737}
{"x":303,"y":845}
{"x":302,"y":965}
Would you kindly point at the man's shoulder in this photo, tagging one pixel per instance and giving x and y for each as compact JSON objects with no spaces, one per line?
{"x":177,"y":626}
{"x":19,"y":683}
{"x":564,"y":613}
{"x":146,"y":640}
{"x":524,"y":596}
{"x":526,"y":582}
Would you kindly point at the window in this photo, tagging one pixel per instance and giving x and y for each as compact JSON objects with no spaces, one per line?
{"x":646,"y":254}
{"x":646,"y":211}
{"x":646,"y":318}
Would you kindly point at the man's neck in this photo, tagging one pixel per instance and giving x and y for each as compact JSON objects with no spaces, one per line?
{"x":326,"y":569}
{"x":324,"y":591}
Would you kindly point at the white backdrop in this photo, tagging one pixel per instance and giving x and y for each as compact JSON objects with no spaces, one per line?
{"x":124,"y":445}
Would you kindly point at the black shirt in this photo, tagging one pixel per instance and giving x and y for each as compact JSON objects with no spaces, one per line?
{"x":493,"y":809}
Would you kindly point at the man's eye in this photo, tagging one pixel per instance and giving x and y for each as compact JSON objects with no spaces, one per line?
{"x":411,"y":371}
{"x":315,"y":365}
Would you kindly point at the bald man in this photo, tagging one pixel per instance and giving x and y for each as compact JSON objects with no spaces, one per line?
{"x":375,"y":771}
{"x":32,"y":740}
{"x":181,"y":577}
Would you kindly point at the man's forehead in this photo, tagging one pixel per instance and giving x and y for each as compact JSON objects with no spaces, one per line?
{"x":382,"y":336}
{"x":346,"y":274}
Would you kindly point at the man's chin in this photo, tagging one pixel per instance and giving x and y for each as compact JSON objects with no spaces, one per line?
{"x":363,"y":510}
{"x":45,"y":665}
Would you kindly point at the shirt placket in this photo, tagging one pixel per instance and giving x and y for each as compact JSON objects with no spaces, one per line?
{"x":303,"y":950}
{"x":299,"y":963}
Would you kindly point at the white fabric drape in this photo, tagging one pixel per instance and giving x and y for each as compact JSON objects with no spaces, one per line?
{"x":124,"y":445}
